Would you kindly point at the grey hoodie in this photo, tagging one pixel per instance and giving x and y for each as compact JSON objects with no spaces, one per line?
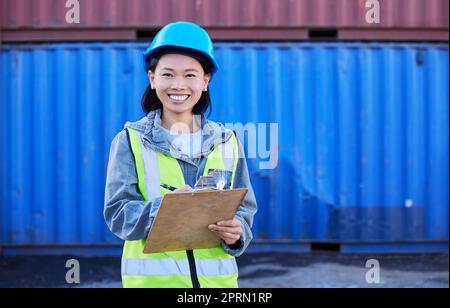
{"x":126,"y":213}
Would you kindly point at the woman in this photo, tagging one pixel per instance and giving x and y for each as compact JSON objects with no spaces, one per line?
{"x":172,"y":146}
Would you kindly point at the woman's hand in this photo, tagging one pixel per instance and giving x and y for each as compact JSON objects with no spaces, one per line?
{"x":228,"y":230}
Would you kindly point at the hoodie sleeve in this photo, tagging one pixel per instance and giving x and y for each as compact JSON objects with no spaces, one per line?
{"x":126,"y":213}
{"x":246,"y":211}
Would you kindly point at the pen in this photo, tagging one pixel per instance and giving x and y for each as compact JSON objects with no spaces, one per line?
{"x":171,"y":188}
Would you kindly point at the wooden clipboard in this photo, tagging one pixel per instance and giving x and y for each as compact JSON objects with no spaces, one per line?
{"x":183,"y":218}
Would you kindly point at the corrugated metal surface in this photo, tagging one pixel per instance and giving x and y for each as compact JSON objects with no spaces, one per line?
{"x":63,"y":104}
{"x":44,"y":20}
{"x":363,"y":137}
{"x":228,"y":13}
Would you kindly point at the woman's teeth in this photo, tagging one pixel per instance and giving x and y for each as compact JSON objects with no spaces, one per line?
{"x":178,"y":98}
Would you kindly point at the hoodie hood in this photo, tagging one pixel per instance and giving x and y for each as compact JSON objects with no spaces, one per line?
{"x":156,"y":137}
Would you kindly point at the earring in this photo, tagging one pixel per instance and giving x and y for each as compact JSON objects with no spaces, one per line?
{"x":205,"y":89}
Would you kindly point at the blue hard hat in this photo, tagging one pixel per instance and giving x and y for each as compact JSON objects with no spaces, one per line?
{"x":185,"y":35}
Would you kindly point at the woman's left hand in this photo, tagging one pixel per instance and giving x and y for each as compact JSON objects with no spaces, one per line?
{"x":228,"y":230}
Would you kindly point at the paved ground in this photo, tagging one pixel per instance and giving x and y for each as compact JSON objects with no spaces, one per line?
{"x":283,"y":270}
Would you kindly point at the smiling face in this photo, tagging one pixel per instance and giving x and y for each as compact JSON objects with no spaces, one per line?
{"x":179,"y":82}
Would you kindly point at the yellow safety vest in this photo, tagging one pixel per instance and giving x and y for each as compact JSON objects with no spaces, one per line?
{"x":206,"y":268}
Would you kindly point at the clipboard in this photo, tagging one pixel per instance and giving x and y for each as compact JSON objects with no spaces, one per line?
{"x":183,"y":218}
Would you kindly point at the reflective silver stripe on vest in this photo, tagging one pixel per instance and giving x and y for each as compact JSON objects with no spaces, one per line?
{"x":155,"y":267}
{"x":169,"y":266}
{"x":216,"y":267}
{"x":150,"y":167}
{"x":228,"y":155}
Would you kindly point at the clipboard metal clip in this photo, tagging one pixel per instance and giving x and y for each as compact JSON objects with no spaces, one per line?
{"x":215,"y":180}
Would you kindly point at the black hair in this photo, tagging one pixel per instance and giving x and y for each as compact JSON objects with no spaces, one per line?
{"x":150,"y":100}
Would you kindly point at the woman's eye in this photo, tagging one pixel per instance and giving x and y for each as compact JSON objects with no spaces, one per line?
{"x":167,"y":75}
{"x":190,"y":75}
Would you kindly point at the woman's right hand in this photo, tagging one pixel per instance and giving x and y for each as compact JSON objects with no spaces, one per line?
{"x":185,"y":188}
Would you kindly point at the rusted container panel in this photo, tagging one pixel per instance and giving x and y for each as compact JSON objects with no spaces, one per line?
{"x":149,"y":14}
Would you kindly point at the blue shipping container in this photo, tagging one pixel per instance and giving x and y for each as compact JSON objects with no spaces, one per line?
{"x":363,"y":138}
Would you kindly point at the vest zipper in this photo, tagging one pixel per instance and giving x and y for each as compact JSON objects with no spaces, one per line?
{"x":193,"y":269}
